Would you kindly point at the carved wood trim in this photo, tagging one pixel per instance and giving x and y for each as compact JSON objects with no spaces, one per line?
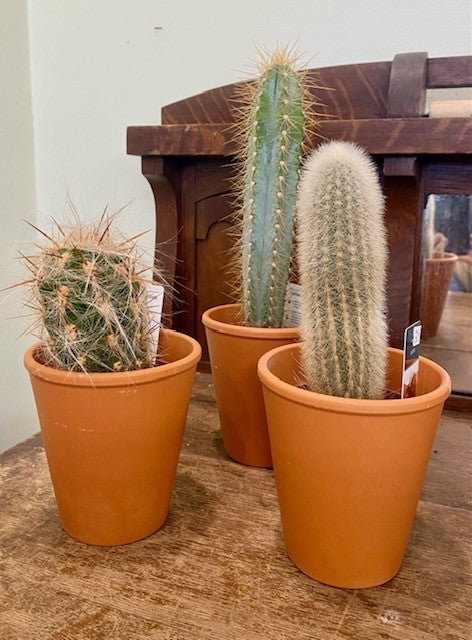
{"x":401,"y":214}
{"x":407,"y":88}
{"x":400,"y":166}
{"x":449,"y":72}
{"x":208,"y":212}
{"x":165,"y":253}
{"x":407,"y":97}
{"x":187,"y":292}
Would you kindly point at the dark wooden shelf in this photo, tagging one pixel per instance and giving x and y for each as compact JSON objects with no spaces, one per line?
{"x":396,"y":136}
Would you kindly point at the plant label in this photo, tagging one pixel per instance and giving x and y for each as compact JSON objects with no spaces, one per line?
{"x":293,"y":305}
{"x":155,"y":300}
{"x":411,"y":353}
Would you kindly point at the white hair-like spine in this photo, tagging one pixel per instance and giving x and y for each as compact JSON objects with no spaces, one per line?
{"x":342,"y":258}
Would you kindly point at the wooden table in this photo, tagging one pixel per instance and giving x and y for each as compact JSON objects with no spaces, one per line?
{"x":217,"y":569}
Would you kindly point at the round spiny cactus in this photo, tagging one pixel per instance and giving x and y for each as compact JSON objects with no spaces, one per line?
{"x":342,"y":258}
{"x":272,"y":130}
{"x":91,"y":301}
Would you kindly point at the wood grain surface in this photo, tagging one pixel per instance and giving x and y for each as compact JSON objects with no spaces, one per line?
{"x":378,"y":136}
{"x":348,"y":91}
{"x":217,"y":570}
{"x":407,"y":88}
{"x":345,"y":91}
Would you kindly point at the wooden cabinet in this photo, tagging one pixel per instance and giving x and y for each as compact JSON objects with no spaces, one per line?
{"x":380,"y":105}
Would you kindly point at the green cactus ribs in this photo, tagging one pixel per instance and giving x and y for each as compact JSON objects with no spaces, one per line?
{"x":342,"y":257}
{"x":270,"y":177}
{"x":92,"y":303}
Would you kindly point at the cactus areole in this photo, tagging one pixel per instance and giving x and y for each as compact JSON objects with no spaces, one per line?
{"x":270,"y":178}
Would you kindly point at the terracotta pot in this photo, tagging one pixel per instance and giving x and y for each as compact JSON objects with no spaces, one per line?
{"x":234,"y":353}
{"x":349,"y":472}
{"x":437,"y":274}
{"x":112,"y":441}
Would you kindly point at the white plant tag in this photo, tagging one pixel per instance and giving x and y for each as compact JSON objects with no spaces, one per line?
{"x":411,"y":363}
{"x":293,"y":305}
{"x":156,"y":299}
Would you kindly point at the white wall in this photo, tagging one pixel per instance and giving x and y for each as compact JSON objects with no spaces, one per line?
{"x":100,"y":65}
{"x":17,"y":201}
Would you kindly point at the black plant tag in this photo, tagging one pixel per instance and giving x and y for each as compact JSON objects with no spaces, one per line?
{"x":411,"y":354}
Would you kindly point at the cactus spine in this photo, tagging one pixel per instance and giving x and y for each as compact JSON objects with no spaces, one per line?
{"x":91,"y":301}
{"x":342,"y":257}
{"x":271,"y":162}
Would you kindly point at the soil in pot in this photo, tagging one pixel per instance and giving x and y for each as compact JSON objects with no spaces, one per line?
{"x":234,"y":353}
{"x":112,"y":441}
{"x":349,"y":472}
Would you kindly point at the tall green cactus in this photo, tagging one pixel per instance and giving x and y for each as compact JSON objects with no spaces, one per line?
{"x":271,"y":158}
{"x":91,"y":301}
{"x":342,"y":257}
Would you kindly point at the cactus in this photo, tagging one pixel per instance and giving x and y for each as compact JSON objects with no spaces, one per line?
{"x":433,"y":243}
{"x":342,"y":257}
{"x":91,"y":301}
{"x":428,"y":228}
{"x":273,"y":129}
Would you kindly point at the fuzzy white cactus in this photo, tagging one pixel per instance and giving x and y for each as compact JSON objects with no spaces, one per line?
{"x":342,"y":258}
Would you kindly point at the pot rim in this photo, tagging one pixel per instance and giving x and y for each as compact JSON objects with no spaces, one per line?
{"x":447,"y":257}
{"x":264,"y":333}
{"x":119,"y":378}
{"x":352,"y":405}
